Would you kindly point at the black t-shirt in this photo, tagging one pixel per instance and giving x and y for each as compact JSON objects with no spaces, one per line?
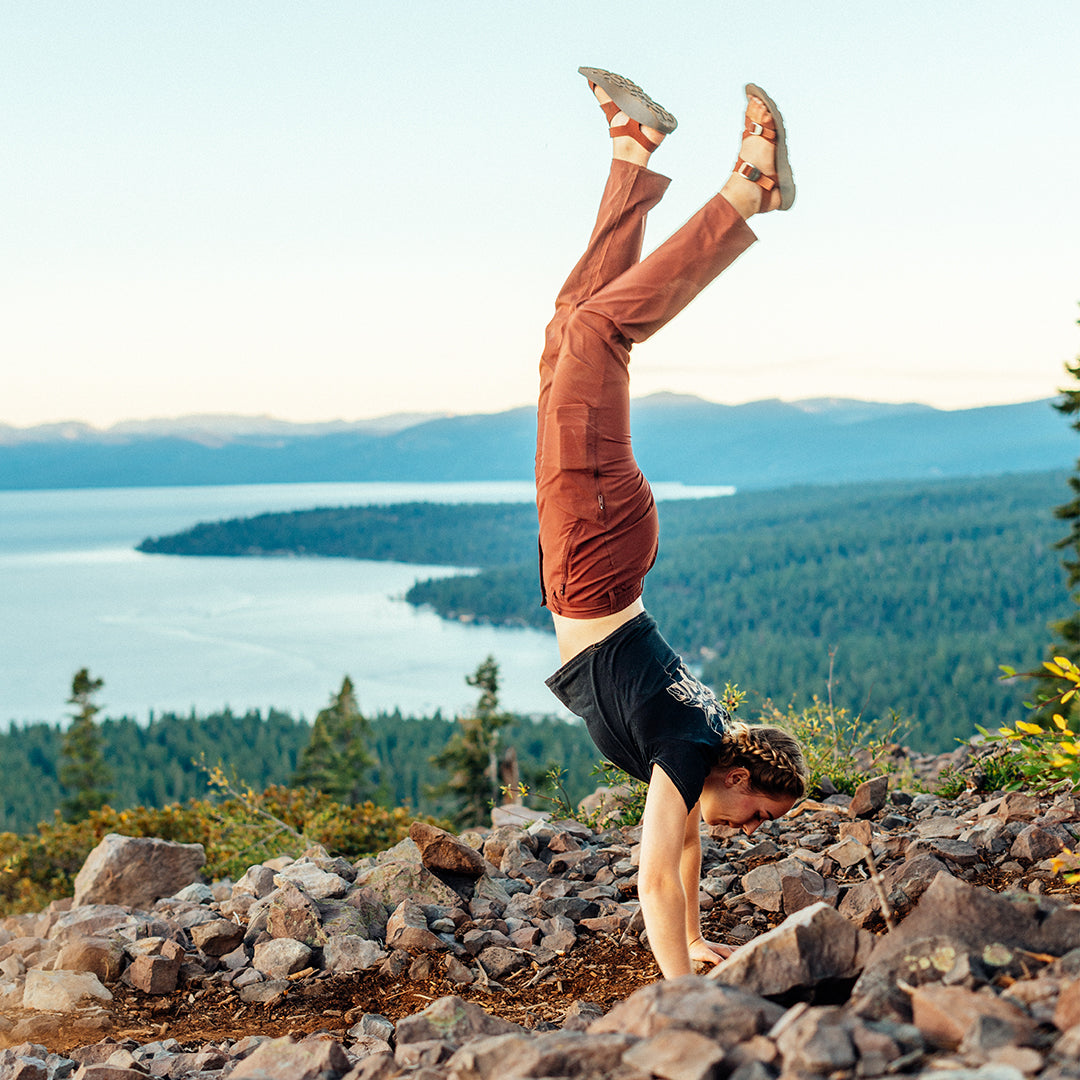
{"x":643,"y":707}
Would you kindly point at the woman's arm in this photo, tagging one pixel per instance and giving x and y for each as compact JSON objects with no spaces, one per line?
{"x":708,"y":952}
{"x":660,"y":883}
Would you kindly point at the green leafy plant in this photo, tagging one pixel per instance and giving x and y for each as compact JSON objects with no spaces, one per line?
{"x":951,"y":783}
{"x":1048,"y":750}
{"x":839,"y":745}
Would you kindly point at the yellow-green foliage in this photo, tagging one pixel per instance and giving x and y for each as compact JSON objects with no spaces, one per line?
{"x":246,"y":828}
{"x":1048,"y":749}
{"x":838,"y":745}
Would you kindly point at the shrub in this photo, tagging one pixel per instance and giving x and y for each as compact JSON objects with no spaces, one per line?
{"x":839,"y":746}
{"x":1048,"y":750}
{"x":246,"y":828}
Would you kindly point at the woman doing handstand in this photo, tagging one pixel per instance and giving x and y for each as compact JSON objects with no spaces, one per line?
{"x":598,"y":521}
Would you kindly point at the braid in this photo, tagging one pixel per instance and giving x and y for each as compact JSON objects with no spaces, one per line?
{"x":772,"y":756}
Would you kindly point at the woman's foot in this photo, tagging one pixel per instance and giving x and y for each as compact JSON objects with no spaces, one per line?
{"x":636,"y":122}
{"x":762,"y":178}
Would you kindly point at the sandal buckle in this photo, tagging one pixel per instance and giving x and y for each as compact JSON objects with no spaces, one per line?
{"x":748,"y":171}
{"x":753,"y":128}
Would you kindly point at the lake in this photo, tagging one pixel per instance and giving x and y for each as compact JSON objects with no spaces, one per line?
{"x":174,"y":633}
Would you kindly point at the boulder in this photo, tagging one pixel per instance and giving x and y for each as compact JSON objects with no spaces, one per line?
{"x":289,"y":1059}
{"x":695,"y":1003}
{"x":136,"y":871}
{"x":347,"y":952}
{"x":440,"y":850}
{"x":61,"y":991}
{"x":452,"y":1020}
{"x":813,"y":945}
{"x":281,"y":957}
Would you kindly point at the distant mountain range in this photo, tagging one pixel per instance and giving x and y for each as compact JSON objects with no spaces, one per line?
{"x":763,"y":444}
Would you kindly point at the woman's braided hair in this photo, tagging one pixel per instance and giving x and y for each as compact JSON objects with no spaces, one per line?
{"x":772,"y":756}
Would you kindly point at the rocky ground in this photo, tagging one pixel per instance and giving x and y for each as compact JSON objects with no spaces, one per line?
{"x":518,"y":951}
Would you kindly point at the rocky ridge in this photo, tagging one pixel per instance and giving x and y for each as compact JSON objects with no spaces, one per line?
{"x":453,"y":958}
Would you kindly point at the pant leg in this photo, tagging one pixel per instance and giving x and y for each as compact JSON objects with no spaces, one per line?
{"x":598,"y":524}
{"x":630,"y":193}
{"x":652,"y":292}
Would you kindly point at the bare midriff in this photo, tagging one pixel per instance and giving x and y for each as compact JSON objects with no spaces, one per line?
{"x":576,"y":635}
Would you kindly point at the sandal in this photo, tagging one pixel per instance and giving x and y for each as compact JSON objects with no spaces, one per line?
{"x":627,"y":97}
{"x":775,"y":134}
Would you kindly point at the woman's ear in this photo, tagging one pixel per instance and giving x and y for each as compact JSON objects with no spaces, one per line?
{"x":737,"y":777}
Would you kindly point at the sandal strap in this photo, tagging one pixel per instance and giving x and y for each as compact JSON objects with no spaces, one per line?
{"x":633,"y":129}
{"x":752,"y":173}
{"x":608,"y":108}
{"x":754,"y":128}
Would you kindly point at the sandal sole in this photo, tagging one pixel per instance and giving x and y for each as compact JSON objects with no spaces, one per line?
{"x":784,"y":180}
{"x":631,"y":99}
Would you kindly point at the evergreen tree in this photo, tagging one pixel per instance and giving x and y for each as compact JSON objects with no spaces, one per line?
{"x":83,"y":773}
{"x":471,"y":756}
{"x":336,"y":759}
{"x":1067,"y":630}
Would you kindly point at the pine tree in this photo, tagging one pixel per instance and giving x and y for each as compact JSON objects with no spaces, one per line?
{"x":83,"y":772}
{"x":1067,"y":630}
{"x":471,"y":756}
{"x":336,"y":759}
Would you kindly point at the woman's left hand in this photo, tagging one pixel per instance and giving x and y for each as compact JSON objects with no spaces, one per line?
{"x":708,"y":952}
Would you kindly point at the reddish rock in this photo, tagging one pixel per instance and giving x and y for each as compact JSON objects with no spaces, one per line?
{"x":945,"y":1014}
{"x":869,"y":797}
{"x":439,"y":850}
{"x":154,"y":974}
{"x":136,"y":871}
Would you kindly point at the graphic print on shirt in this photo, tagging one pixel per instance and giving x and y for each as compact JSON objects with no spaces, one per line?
{"x":690,"y":691}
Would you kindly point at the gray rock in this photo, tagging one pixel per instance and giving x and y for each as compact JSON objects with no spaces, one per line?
{"x":287,"y":1059}
{"x":394,"y":881}
{"x":291,"y":913}
{"x":554,"y":1053}
{"x":946,"y":1015}
{"x":265,"y":993}
{"x":407,"y":928}
{"x":258,"y":881}
{"x":347,"y":952}
{"x":218,"y":937}
{"x":281,"y":957}
{"x":136,"y":871}
{"x":154,"y":974}
{"x":904,"y":883}
{"x":1035,"y":844}
{"x":960,"y":852}
{"x":817,"y":1042}
{"x":498,"y":962}
{"x":695,"y":1003}
{"x":61,"y":991}
{"x":111,"y":920}
{"x":676,"y":1055}
{"x":312,"y":881}
{"x":373,"y":1025}
{"x":978,"y":917}
{"x":813,"y":945}
{"x":101,"y":955}
{"x":454,"y":1021}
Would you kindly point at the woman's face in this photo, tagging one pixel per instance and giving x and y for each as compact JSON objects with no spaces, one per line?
{"x":727,"y":799}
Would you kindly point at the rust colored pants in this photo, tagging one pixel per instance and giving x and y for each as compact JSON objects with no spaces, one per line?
{"x":598,"y":522}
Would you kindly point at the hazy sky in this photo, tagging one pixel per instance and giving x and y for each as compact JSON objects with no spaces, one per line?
{"x":343,"y":209}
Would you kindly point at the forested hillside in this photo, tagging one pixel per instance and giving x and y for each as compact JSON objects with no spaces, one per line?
{"x":921,"y":588}
{"x":155,"y":764}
